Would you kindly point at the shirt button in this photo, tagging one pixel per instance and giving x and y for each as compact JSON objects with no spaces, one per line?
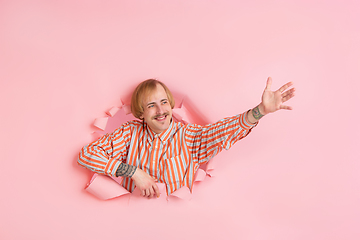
{"x":155,"y":146}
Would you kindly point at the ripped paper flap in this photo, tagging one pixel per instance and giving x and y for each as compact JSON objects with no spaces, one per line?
{"x":200,"y":175}
{"x":210,"y":167}
{"x":105,"y":187}
{"x":101,"y":122}
{"x":113,"y":111}
{"x":182,"y":193}
{"x":127,"y":109}
{"x":181,"y":114}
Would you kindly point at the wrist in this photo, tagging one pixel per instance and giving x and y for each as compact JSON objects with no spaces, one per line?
{"x":126,"y":170}
{"x":256,"y":114}
{"x":261,"y":108}
{"x":135,"y":174}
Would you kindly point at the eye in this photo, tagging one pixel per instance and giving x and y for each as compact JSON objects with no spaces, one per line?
{"x":164,"y":102}
{"x":150,"y":106}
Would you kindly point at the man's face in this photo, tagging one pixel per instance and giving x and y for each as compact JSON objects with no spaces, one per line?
{"x":157,"y":110}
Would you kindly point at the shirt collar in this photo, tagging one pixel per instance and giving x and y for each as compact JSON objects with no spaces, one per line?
{"x":164,"y":136}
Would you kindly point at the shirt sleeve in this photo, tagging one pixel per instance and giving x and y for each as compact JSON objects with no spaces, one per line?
{"x":205,"y":142}
{"x":104,"y":155}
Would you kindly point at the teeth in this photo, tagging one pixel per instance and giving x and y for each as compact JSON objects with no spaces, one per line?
{"x":161,"y":117}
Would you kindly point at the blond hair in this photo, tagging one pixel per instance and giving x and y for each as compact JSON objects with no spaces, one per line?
{"x":144,"y":89}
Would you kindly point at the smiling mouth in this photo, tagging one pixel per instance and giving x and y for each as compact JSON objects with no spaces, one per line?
{"x":161,"y":117}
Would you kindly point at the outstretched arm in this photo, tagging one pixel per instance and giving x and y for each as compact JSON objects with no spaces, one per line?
{"x":271,"y":101}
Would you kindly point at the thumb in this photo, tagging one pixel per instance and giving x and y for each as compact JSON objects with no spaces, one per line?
{"x":268,"y":84}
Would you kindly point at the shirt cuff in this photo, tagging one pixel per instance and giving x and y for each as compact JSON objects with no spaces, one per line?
{"x":244,"y":123}
{"x":111,"y":167}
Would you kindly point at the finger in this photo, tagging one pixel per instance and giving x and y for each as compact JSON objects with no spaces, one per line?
{"x":147,"y":193}
{"x":286,"y":107}
{"x":143,"y":193}
{"x":152,"y":193}
{"x":157,"y":191}
{"x":288,"y":97}
{"x":285,"y":86}
{"x":291,"y":90}
{"x":288,"y":94}
{"x":268,"y":83}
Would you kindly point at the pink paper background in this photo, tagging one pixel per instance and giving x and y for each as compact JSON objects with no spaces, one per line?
{"x":65,"y":63}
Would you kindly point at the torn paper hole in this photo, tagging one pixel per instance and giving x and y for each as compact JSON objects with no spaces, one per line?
{"x":105,"y":187}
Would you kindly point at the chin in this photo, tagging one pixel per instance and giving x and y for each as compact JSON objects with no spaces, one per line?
{"x":160,"y":126}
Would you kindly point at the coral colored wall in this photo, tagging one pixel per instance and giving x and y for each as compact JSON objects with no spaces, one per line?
{"x":64,"y":63}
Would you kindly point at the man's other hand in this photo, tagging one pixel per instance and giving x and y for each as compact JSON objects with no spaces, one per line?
{"x":145,"y":183}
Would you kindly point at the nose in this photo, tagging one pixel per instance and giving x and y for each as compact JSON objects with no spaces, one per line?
{"x":159,"y":109}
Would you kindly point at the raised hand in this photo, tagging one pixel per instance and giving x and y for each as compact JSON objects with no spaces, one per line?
{"x":273,"y":101}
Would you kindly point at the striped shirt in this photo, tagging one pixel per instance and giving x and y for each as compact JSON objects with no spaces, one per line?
{"x":172,"y":157}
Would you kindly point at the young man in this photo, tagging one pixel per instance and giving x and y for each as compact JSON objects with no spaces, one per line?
{"x":156,"y":149}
